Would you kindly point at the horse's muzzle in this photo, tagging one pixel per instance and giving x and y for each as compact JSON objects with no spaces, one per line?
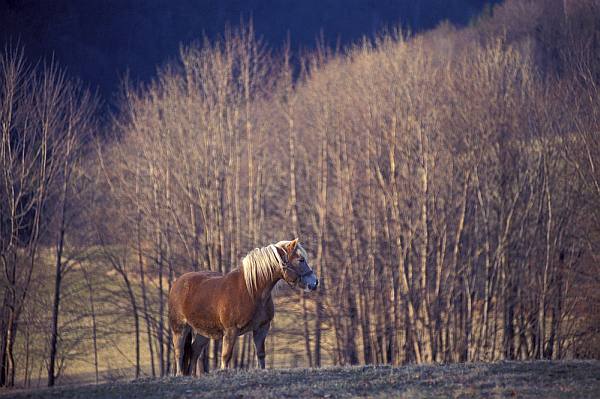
{"x":311,"y":282}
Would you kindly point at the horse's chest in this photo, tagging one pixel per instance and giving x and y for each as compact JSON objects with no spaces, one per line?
{"x":262,"y":314}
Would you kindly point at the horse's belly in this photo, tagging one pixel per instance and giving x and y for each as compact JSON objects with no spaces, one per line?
{"x":208,"y":331}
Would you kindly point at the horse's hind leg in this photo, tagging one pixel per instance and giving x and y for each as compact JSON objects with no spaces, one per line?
{"x":182,"y":345}
{"x":177,"y":335}
{"x":198,"y":350}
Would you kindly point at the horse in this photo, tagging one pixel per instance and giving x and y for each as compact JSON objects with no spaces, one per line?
{"x":208,"y":304}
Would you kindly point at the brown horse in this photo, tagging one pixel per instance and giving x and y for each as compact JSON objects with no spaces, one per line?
{"x":204,"y":305}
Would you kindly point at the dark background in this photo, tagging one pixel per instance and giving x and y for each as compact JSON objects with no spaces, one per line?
{"x":99,"y":41}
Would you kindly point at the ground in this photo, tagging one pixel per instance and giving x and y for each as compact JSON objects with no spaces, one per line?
{"x":574,"y":379}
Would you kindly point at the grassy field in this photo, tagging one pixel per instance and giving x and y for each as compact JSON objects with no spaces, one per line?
{"x":577,"y":379}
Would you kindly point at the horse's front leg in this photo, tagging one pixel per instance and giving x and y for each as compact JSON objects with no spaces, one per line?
{"x":229,"y":338}
{"x":259,"y":336}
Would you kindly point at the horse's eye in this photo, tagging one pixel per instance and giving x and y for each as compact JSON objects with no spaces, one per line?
{"x":301,"y":260}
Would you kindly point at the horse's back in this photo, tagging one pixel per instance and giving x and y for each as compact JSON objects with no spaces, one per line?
{"x":192,"y":278}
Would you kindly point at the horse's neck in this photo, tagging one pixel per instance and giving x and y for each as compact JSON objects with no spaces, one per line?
{"x":265,"y":288}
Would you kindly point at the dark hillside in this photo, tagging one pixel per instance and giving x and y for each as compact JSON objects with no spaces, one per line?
{"x":100,"y":40}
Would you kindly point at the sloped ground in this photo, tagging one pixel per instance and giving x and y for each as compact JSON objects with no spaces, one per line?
{"x":577,"y":379}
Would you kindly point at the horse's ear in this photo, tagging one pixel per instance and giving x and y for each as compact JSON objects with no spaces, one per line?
{"x":291,"y":246}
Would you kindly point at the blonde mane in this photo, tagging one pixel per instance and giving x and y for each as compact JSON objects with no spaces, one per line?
{"x":261,"y":264}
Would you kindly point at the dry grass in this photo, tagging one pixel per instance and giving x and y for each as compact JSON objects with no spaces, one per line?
{"x":573,"y":379}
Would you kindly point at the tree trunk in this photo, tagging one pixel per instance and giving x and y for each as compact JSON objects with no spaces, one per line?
{"x":58,"y":277}
{"x":93,"y":315}
{"x":136,"y":321}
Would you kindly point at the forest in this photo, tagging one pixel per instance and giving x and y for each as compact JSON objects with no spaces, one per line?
{"x":445,"y":185}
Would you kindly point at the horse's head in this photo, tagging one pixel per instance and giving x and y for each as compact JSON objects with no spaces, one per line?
{"x":294,"y":264}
